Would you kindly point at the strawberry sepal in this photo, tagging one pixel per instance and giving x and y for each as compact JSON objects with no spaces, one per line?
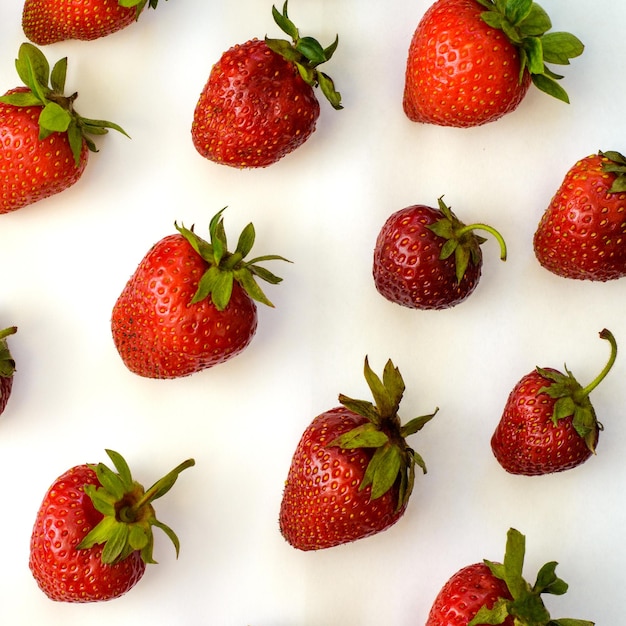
{"x":7,"y":363}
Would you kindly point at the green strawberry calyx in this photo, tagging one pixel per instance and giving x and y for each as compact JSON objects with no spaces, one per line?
{"x":7,"y":363}
{"x":307,"y":54}
{"x":140,"y":4}
{"x":615,"y":163}
{"x":46,"y":89}
{"x":526,"y":608}
{"x":572,"y":399}
{"x":526,"y":25}
{"x":128,"y":512}
{"x":461,"y":240}
{"x":226,"y":267}
{"x":393,"y":459}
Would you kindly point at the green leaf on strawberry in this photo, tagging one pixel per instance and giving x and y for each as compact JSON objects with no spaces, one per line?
{"x":7,"y":363}
{"x":616,"y":164}
{"x":526,"y":25}
{"x":46,"y":89}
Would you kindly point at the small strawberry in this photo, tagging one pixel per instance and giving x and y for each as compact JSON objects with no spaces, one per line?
{"x":497,"y":593}
{"x":92,"y":535}
{"x":44,"y":142}
{"x":549,"y":424}
{"x":7,"y":367}
{"x":471,"y":61}
{"x":49,"y":21}
{"x":582,"y":233}
{"x":259,"y":104}
{"x":190,"y":304}
{"x":425,"y":258}
{"x":352,"y":473}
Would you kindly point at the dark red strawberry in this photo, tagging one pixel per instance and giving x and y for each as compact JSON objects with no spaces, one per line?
{"x":49,"y":21}
{"x":92,"y":536}
{"x":190,"y":304}
{"x":44,"y":142}
{"x":352,"y":473}
{"x":497,"y":593}
{"x":471,"y":61}
{"x":7,"y":367}
{"x":259,"y":103}
{"x":426,"y":258}
{"x":582,"y":233}
{"x":549,"y":424}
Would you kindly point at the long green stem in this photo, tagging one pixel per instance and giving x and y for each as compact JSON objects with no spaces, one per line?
{"x":489,"y":229}
{"x":608,"y":335}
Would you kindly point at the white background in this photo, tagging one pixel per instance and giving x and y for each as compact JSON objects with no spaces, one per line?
{"x":65,"y":260}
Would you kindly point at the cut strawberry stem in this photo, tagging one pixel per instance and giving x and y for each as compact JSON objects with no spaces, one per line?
{"x":492,"y":231}
{"x":7,"y":363}
{"x":393,"y":460}
{"x":306,"y":53}
{"x":608,"y":335}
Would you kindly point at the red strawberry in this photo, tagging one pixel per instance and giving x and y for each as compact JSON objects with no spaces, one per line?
{"x":582,"y":233}
{"x":259,"y":104}
{"x":549,"y":424}
{"x":93,"y":536}
{"x":7,"y":367}
{"x":471,"y":61}
{"x":425,"y":258}
{"x":496,"y":593}
{"x":44,"y":142}
{"x":48,"y":21}
{"x":352,"y":473}
{"x":164,"y":323}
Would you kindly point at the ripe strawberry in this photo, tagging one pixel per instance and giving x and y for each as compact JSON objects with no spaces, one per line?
{"x":471,"y":61}
{"x":582,"y":233}
{"x":44,"y":142}
{"x":165,"y":325}
{"x":549,"y":424}
{"x":49,"y":21}
{"x":496,"y":593}
{"x":352,"y":473}
{"x":259,"y":104}
{"x":425,"y":258}
{"x":92,"y":535}
{"x":7,"y":367}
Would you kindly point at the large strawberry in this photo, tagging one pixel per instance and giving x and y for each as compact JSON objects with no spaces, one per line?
{"x":549,"y":424}
{"x":44,"y":142}
{"x":497,"y":593}
{"x":471,"y":61}
{"x":426,"y":258}
{"x":92,"y":536}
{"x":7,"y":367}
{"x":259,"y":103}
{"x":582,"y":233}
{"x":352,"y":473}
{"x":48,"y":21}
{"x":190,"y":304}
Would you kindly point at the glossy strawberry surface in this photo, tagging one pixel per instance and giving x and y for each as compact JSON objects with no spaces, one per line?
{"x":407,"y":267}
{"x":464,"y":594}
{"x":322,"y":505}
{"x":254,"y":109}
{"x":50,"y":21}
{"x":460,"y":71}
{"x":63,"y":572}
{"x":527,"y":442}
{"x":32,"y":169}
{"x":159,"y":333}
{"x":582,"y":234}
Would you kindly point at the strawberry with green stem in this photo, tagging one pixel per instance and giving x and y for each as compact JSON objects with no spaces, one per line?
{"x":7,"y":367}
{"x":44,"y":142}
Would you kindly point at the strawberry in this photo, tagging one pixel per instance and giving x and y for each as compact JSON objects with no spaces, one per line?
{"x":582,"y":233}
{"x":92,"y":536}
{"x":44,"y":142}
{"x":496,"y":593}
{"x":49,"y":21}
{"x":472,"y":61}
{"x":259,"y":103}
{"x":352,"y":473}
{"x":549,"y":424}
{"x":7,"y":367}
{"x":165,"y":325}
{"x":426,"y":258}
